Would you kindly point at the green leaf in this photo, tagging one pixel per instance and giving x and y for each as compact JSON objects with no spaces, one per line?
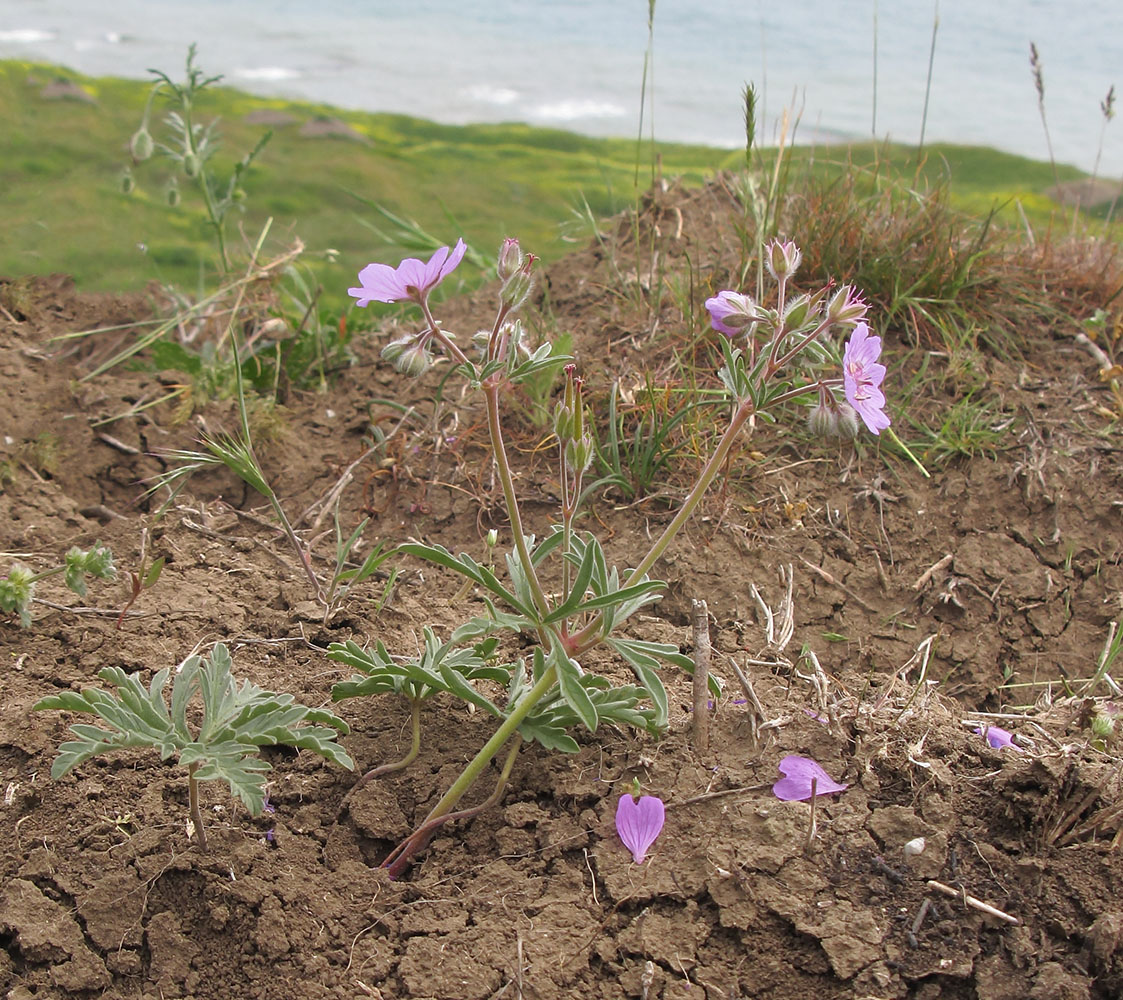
{"x":235,"y":722}
{"x":578,"y":588}
{"x":153,"y":573}
{"x":573,"y":691}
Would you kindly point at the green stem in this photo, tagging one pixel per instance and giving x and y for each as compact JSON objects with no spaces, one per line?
{"x":443,"y":338}
{"x":476,"y":765}
{"x":396,"y":863}
{"x":46,"y":573}
{"x":587,"y":637}
{"x":203,"y":179}
{"x":495,"y":431}
{"x":193,"y":805}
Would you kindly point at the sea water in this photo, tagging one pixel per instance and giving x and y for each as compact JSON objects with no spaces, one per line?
{"x":579,"y":64}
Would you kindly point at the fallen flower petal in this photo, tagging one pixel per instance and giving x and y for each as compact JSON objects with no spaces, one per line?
{"x":639,"y":823}
{"x":998,"y":737}
{"x":412,"y":280}
{"x":796,"y":785}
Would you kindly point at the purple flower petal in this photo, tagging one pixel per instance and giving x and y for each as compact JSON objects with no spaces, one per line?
{"x":796,"y":785}
{"x":998,"y":737}
{"x":411,"y":280}
{"x":731,"y":312}
{"x":639,"y":823}
{"x":862,"y":377}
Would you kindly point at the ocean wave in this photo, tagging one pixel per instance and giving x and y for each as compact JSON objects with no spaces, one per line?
{"x":27,"y":36}
{"x":485,"y":93}
{"x":266,"y":74}
{"x":575,"y":110}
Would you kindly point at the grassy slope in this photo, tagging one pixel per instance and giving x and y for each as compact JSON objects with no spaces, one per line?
{"x":63,"y":209}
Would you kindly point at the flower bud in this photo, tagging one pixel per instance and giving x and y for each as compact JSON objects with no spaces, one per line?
{"x":516,"y":289}
{"x":492,"y":538}
{"x":848,"y":425}
{"x":822,"y":421}
{"x":782,"y":259}
{"x":191,"y":165}
{"x":171,"y":193}
{"x":141,"y":145}
{"x":846,"y":306}
{"x":799,"y":311}
{"x":732,"y":313}
{"x":510,"y":258}
{"x":127,"y":182}
{"x":407,"y":355}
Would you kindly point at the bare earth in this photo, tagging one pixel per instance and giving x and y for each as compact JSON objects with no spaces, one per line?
{"x":103,"y":894}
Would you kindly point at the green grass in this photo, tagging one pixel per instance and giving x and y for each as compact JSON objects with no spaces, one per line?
{"x":64,"y":211}
{"x":61,"y":199}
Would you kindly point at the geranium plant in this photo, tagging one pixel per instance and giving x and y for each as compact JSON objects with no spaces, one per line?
{"x":560,"y":590}
{"x":235,"y":721}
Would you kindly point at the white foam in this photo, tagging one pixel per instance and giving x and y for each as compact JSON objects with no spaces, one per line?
{"x":27,"y":36}
{"x":485,"y":93}
{"x":573,"y":110}
{"x":265,"y":73}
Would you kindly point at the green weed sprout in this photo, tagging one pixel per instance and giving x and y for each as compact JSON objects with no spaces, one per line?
{"x":191,"y":146}
{"x":18,"y":590}
{"x":560,"y":591}
{"x":236,"y":720}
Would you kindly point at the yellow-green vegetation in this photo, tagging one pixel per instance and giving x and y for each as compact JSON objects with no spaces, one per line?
{"x":64,"y":210}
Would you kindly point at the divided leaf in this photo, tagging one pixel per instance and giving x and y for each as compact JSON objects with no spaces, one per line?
{"x":236,"y":721}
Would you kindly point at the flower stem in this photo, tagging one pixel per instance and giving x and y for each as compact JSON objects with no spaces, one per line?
{"x":495,"y":431}
{"x":193,"y":805}
{"x":396,"y":863}
{"x":408,"y":847}
{"x":587,"y":637}
{"x":443,"y":338}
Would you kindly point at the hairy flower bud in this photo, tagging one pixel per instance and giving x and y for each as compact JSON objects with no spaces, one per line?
{"x":191,"y":165}
{"x":802,"y":309}
{"x":848,"y":425}
{"x":733,"y":313}
{"x":846,"y":306}
{"x":171,"y":193}
{"x":510,"y":259}
{"x":141,"y":145}
{"x":822,"y":421}
{"x":782,"y":259}
{"x":407,"y":355}
{"x":517,"y":288}
{"x":127,"y":182}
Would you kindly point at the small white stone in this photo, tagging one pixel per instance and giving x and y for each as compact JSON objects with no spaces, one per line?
{"x":914,"y":847}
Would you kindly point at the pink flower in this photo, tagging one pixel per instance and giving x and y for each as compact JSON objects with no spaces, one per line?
{"x":411,"y":280}
{"x":862,"y":377}
{"x":732,"y":313}
{"x":998,"y":737}
{"x":639,"y":823}
{"x":796,"y":783}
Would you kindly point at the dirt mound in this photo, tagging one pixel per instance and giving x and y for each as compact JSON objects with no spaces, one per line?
{"x":1002,"y":568}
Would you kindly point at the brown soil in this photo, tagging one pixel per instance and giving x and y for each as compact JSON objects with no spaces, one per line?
{"x":103,"y":894}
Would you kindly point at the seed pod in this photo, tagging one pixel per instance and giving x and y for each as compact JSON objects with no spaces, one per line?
{"x":141,"y":145}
